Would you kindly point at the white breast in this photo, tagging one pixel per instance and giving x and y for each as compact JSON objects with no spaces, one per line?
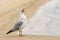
{"x":23,"y":18}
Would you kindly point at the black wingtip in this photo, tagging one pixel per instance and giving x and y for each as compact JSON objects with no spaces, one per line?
{"x":9,"y":32}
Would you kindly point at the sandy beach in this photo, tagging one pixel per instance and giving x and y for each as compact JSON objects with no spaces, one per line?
{"x":8,"y":16}
{"x":29,"y":37}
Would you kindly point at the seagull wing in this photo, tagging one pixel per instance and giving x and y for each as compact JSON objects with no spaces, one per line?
{"x":17,"y":26}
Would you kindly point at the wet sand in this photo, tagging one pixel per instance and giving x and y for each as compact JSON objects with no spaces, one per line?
{"x":29,"y":37}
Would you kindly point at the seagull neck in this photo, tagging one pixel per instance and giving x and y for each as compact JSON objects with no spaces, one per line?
{"x":22,"y":16}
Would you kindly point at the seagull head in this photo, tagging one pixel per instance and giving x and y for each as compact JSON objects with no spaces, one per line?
{"x":22,"y":10}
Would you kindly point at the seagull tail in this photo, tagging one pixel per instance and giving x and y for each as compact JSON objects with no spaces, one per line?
{"x":9,"y":32}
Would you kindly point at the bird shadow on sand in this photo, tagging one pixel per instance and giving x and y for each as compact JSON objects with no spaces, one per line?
{"x":13,"y":36}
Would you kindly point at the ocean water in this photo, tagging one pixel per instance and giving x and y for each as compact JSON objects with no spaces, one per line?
{"x":46,"y":21}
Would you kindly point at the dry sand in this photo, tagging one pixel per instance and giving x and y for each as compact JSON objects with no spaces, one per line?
{"x":9,"y":14}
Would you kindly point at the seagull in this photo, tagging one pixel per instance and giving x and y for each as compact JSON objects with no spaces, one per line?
{"x":20,"y":23}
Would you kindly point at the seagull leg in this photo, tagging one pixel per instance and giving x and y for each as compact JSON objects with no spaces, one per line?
{"x":20,"y":32}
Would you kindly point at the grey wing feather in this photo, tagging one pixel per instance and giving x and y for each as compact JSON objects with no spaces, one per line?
{"x":17,"y":25}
